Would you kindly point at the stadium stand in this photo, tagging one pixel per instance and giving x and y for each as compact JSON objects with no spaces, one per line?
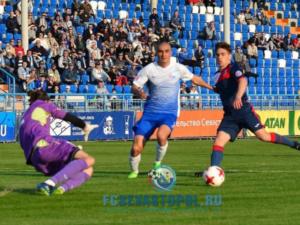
{"x":121,"y":34}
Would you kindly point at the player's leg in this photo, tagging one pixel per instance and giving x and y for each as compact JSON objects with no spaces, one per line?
{"x":254,"y":124}
{"x":80,"y":177}
{"x":227,"y":131}
{"x":275,"y":138}
{"x":165,"y":124}
{"x":218,"y":148}
{"x":142,"y":130}
{"x":135,"y":155}
{"x":163,"y":134}
{"x":62,"y":160}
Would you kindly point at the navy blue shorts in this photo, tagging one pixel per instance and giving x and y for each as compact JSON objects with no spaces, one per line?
{"x":150,"y":121}
{"x":233,"y":122}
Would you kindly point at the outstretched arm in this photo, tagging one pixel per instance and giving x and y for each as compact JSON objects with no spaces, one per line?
{"x":200,"y":82}
{"x":76,"y":121}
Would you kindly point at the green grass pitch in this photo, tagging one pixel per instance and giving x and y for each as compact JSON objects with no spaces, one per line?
{"x":262,"y":187}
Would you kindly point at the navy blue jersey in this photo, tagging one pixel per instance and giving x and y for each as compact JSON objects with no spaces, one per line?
{"x":227,"y":86}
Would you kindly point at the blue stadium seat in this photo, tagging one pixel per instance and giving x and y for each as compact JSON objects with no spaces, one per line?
{"x":274,"y":63}
{"x":127,"y":89}
{"x":92,"y":88}
{"x":109,"y":87}
{"x":85,"y":79}
{"x":82,"y":88}
{"x":267,"y":63}
{"x":73,"y":88}
{"x":118,"y":89}
{"x":296,"y":63}
{"x":288,"y":54}
{"x":62,"y":88}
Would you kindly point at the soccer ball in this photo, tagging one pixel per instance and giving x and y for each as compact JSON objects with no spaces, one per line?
{"x":154,"y":174}
{"x":214,"y":176}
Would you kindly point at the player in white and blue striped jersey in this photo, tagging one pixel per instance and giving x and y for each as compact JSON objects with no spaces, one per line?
{"x":162,"y":105}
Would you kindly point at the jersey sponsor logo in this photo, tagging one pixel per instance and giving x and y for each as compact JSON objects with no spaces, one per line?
{"x":59,"y":127}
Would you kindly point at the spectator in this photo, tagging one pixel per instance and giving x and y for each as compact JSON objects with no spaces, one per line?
{"x":64,"y":61}
{"x":85,"y":11}
{"x":108,"y":61}
{"x":288,"y":42}
{"x":42,"y":70}
{"x":39,"y":49}
{"x":155,"y":27}
{"x":10,"y":47}
{"x":42,"y":21}
{"x":29,"y":58}
{"x":252,"y":52}
{"x":102,"y":100}
{"x":209,"y":32}
{"x":69,"y":76}
{"x":175,"y":24}
{"x":12,"y":23}
{"x":199,"y":56}
{"x":23,"y":75}
{"x":194,"y":98}
{"x":42,"y":83}
{"x":53,"y":72}
{"x":154,"y":16}
{"x":121,"y":79}
{"x":241,"y":18}
{"x":32,"y":80}
{"x":131,"y":74}
{"x":98,"y":74}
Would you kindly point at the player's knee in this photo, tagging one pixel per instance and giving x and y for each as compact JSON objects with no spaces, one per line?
{"x":162,"y":141}
{"x":90,"y":161}
{"x":265,"y":137}
{"x":136,"y":150}
{"x":89,"y":171}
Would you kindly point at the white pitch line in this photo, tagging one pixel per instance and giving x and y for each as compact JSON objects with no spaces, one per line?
{"x":262,"y":171}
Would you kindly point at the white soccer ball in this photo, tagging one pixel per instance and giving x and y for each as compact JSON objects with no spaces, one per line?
{"x":154,"y":174}
{"x":214,"y":176}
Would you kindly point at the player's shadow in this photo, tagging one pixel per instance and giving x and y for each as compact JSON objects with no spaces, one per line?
{"x":7,"y":190}
{"x":98,"y":173}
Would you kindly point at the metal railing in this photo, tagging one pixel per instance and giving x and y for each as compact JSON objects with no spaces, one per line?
{"x":119,"y":102}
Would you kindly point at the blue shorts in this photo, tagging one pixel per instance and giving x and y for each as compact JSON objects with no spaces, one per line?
{"x":51,"y":159}
{"x":233,"y":122}
{"x":150,"y":121}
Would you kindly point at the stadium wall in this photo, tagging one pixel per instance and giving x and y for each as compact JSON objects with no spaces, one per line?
{"x":118,"y":125}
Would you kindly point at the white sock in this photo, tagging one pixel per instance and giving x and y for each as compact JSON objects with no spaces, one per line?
{"x":160,"y":152}
{"x":50,"y":182}
{"x":134,"y":162}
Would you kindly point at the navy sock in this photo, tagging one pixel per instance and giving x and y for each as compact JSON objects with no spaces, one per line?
{"x":278,"y":139}
{"x":216,"y":155}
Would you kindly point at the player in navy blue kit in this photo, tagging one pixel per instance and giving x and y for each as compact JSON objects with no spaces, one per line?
{"x":231,"y":84}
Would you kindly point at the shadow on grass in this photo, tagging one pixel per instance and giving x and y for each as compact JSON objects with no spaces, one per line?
{"x":6,"y":190}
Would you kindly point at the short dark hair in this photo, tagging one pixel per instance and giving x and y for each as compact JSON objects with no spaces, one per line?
{"x":159,"y":43}
{"x":223,"y":45}
{"x":37,"y":94}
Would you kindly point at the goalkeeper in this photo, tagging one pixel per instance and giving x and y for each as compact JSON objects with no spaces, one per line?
{"x":68,"y":165}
